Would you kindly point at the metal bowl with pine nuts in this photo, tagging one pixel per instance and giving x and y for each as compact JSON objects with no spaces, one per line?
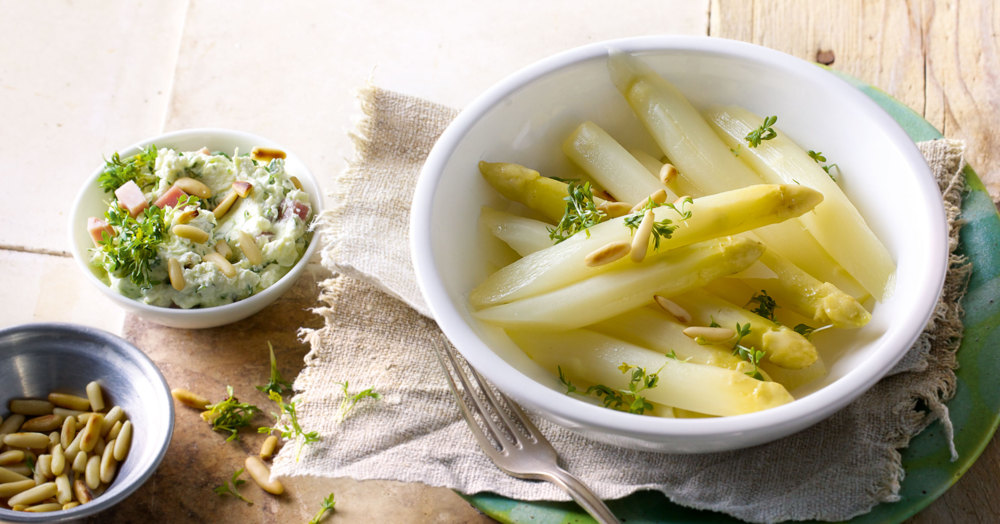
{"x":59,"y":371}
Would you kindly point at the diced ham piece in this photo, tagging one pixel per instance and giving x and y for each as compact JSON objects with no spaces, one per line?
{"x":97,"y":227}
{"x":131,"y":198}
{"x":170,"y":197}
{"x":294,"y":207}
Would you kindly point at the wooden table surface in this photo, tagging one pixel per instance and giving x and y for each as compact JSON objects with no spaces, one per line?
{"x":80,"y":80}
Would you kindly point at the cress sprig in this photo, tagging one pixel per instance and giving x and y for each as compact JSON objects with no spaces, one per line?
{"x":133,"y":250}
{"x":581,"y":212}
{"x":627,"y":399}
{"x":138,"y":168}
{"x":230,"y":415}
{"x":764,"y":132}
{"x":231,"y":487}
{"x":291,"y":429}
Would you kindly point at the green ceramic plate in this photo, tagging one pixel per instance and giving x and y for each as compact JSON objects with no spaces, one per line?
{"x":975,"y":410}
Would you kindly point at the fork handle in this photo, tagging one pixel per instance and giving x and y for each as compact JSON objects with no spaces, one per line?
{"x":582,"y":495}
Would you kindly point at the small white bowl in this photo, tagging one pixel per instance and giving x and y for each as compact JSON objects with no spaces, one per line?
{"x":91,"y":202}
{"x":525,"y":118}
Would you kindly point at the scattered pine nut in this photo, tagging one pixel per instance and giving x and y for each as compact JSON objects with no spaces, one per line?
{"x":221,"y":263}
{"x":68,"y":432}
{"x":242,"y":188}
{"x":222,"y":247}
{"x":44,"y":508}
{"x":296,"y":183}
{"x":27,"y":440}
{"x":92,"y":474}
{"x":189,"y":399}
{"x":658,"y":197}
{"x":188,"y":214}
{"x":58,"y":464}
{"x":223,"y":207}
{"x":192,"y":233}
{"x":82,"y":491}
{"x":43,"y":423}
{"x":91,"y":433}
{"x":250,"y":248}
{"x":600,"y":193}
{"x":268,"y":447}
{"x":673,"y":308}
{"x":710,"y":334}
{"x":68,"y":401}
{"x":261,"y":474}
{"x":668,"y":173}
{"x":176,"y":274}
{"x":123,"y":441}
{"x":115,"y":414}
{"x":606,"y":254}
{"x":33,"y":495}
{"x":64,"y":490}
{"x":615,"y":209}
{"x":193,"y":187}
{"x":640,"y":242}
{"x":80,"y":462}
{"x":266,"y":154}
{"x":113,"y":432}
{"x":108,"y":465}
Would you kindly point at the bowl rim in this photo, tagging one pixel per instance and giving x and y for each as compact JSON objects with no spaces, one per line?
{"x":793,"y":416}
{"x":151,"y":370}
{"x":184,"y":315}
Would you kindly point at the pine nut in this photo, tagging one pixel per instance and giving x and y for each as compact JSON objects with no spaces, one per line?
{"x":267,"y":448}
{"x":30,"y":406}
{"x":710,"y":334}
{"x":193,"y":187}
{"x":223,"y":207}
{"x":9,"y":489}
{"x":114,"y":415}
{"x":681,"y":200}
{"x":21,"y":469}
{"x":27,"y":440}
{"x":68,"y":432}
{"x":82,"y":492}
{"x":188,"y":214}
{"x":13,"y":456}
{"x":615,"y":209}
{"x":673,"y":308}
{"x":261,"y":474}
{"x":91,"y":432}
{"x":99,"y":447}
{"x":108,"y":464}
{"x":67,"y":412}
{"x":221,"y":263}
{"x":8,"y":475}
{"x":93,"y":472}
{"x":222,"y":247}
{"x":53,"y":438}
{"x":113,"y":432}
{"x":70,"y":505}
{"x":606,"y":254}
{"x":42,"y":423}
{"x":33,"y":495}
{"x":68,"y":401}
{"x":81,"y":420}
{"x":123,"y":442}
{"x":189,"y":399}
{"x":11,"y":424}
{"x":242,"y":188}
{"x":64,"y":491}
{"x":43,"y":466}
{"x":640,"y":242}
{"x":668,"y":173}
{"x":296,"y":183}
{"x":192,"y":233}
{"x":95,"y":394}
{"x":266,"y":153}
{"x":58,"y":464}
{"x":80,"y":462}
{"x":176,"y":274}
{"x":657,"y":197}
{"x":44,"y":508}
{"x":250,"y":248}
{"x":74,"y":447}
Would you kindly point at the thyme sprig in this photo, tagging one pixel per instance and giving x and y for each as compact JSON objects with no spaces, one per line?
{"x":231,"y":487}
{"x":627,"y":399}
{"x":581,"y":212}
{"x":764,"y":132}
{"x":230,"y":415}
{"x":765,"y":305}
{"x":327,"y":505}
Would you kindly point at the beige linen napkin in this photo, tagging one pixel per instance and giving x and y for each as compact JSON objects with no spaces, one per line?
{"x":375,"y":336}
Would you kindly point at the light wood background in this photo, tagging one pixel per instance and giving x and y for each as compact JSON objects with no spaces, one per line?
{"x":79,"y":80}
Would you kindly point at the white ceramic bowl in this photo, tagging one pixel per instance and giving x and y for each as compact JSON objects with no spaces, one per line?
{"x":525,"y":118}
{"x":91,"y":201}
{"x":37,"y":359}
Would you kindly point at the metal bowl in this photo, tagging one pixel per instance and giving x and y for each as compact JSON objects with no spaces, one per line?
{"x":36,"y":359}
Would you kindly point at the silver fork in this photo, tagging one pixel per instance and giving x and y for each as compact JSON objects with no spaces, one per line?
{"x":516,"y":447}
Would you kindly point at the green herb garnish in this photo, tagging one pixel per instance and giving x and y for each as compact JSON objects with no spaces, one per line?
{"x":629,"y":400}
{"x":138,"y":168}
{"x":349,"y":401}
{"x":804,"y":329}
{"x":581,"y":212}
{"x":750,"y":354}
{"x":133,"y":251}
{"x":327,"y":505}
{"x":230,"y":415}
{"x":765,"y":305}
{"x":231,"y":487}
{"x":662,"y":229}
{"x":819,"y":159}
{"x":291,"y":429}
{"x":764,"y":132}
{"x":276,"y":383}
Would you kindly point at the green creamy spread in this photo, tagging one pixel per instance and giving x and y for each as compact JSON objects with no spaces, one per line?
{"x":275,"y":213}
